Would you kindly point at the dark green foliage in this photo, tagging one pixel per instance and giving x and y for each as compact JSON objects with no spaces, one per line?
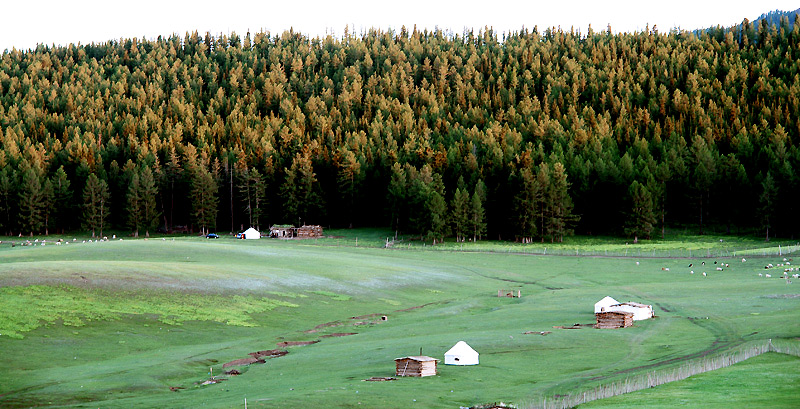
{"x":641,"y":220}
{"x":204,"y":199}
{"x":96,"y":208}
{"x":31,"y":202}
{"x":338,"y":132}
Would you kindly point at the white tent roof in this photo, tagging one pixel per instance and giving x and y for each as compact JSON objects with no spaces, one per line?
{"x":461,"y":354}
{"x":252,"y":233}
{"x":605,"y":302}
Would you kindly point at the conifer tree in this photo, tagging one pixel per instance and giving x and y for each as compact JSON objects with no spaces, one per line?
{"x":148,"y":191}
{"x":204,"y":199}
{"x":31,"y":202}
{"x":477,"y":212}
{"x":96,"y":209}
{"x":6,"y":194}
{"x":640,"y":220}
{"x":134,"y":204}
{"x":460,"y":214}
{"x":62,"y":197}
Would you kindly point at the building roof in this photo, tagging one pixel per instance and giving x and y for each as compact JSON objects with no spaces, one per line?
{"x":461,"y":348}
{"x":418,"y":358}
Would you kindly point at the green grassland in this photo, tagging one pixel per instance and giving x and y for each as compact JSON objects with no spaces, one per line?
{"x":116,"y":324}
{"x":766,"y":381}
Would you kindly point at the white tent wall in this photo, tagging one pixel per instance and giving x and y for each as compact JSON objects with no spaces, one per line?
{"x":605,"y":302}
{"x":461,"y":354}
{"x":252,"y":233}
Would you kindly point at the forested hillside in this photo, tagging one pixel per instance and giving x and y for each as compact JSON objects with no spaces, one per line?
{"x":530,"y":135}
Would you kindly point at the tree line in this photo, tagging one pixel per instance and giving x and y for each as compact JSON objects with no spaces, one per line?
{"x":529,"y":135}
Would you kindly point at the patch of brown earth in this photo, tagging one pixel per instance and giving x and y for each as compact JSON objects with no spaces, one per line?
{"x":325,"y":325}
{"x":361,"y":317}
{"x":380,"y":379}
{"x":270,"y":353}
{"x":285,"y":344}
{"x":339,"y":334}
{"x":244,"y":361}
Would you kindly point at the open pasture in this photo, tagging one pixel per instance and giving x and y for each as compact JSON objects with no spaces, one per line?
{"x":120,"y":323}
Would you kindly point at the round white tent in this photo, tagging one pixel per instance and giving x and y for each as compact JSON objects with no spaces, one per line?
{"x":251,"y":233}
{"x":606,"y":302}
{"x":461,"y":354}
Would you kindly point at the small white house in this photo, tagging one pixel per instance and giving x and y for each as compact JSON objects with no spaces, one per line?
{"x":251,"y":233}
{"x":604,"y":303}
{"x":640,"y":311}
{"x":461,"y":354}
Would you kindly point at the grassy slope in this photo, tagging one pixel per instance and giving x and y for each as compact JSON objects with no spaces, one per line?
{"x":770,"y":380}
{"x":132,"y":360}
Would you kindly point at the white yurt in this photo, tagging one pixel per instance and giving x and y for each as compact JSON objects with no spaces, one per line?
{"x":640,"y":311}
{"x":461,"y":354}
{"x":251,"y":233}
{"x":601,"y":305}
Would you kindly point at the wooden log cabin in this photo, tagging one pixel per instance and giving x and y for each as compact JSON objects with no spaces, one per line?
{"x":416,"y":366}
{"x":614,"y":319}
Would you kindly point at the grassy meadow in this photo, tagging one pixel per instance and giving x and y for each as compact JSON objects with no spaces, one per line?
{"x":118,"y":324}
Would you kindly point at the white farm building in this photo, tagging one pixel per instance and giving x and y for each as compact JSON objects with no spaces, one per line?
{"x":639,"y":311}
{"x":461,"y":354}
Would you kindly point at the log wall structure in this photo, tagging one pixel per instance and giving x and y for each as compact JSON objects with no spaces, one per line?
{"x":416,"y":366}
{"x":614,"y":319}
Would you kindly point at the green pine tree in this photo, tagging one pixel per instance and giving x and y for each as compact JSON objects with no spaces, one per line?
{"x":96,"y":203}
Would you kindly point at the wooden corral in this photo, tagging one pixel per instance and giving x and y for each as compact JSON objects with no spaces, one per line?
{"x":416,"y":366}
{"x":509,"y":293}
{"x":309,"y":232}
{"x":614,"y":319}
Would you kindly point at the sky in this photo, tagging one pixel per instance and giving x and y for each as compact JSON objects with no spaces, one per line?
{"x":28,"y":23}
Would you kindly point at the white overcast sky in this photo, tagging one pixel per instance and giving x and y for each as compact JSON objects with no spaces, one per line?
{"x":25,"y":23}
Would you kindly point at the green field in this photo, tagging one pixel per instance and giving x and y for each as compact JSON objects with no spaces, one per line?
{"x":754,"y":383}
{"x":116,"y":324}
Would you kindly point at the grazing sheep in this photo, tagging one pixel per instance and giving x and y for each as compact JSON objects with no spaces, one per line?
{"x":704,"y":274}
{"x":795,"y":275}
{"x":719,"y":268}
{"x":743,"y":259}
{"x":637,"y":263}
{"x":690,"y":264}
{"x":767,"y":275}
{"x":760,"y":275}
{"x":664,"y":268}
{"x":703,"y":263}
{"x":727,"y":265}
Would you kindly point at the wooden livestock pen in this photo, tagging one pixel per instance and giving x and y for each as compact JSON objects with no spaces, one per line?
{"x":614,"y":319}
{"x":416,"y":366}
{"x":309,"y":232}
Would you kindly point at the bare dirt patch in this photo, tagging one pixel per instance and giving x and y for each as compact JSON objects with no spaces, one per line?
{"x":325,"y":325}
{"x":339,"y":334}
{"x":270,"y":353}
{"x":362,"y":317}
{"x":244,"y":361}
{"x":284,"y":344}
{"x":380,"y":379}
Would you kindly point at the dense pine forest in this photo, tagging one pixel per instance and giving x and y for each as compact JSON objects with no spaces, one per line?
{"x":531,"y":135}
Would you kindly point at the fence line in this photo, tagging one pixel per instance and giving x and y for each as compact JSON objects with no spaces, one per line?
{"x":660,"y":377}
{"x":778,"y":249}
